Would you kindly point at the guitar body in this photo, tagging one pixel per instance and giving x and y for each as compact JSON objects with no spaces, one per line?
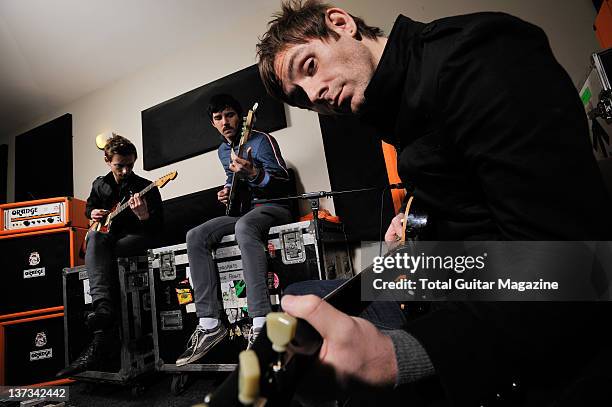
{"x":239,"y":201}
{"x":102,"y":226}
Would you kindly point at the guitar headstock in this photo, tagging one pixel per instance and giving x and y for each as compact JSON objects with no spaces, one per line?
{"x":161,"y":182}
{"x":247,"y":124}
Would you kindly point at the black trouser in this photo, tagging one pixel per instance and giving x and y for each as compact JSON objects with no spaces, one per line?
{"x":101,"y":260}
{"x":251,"y":235}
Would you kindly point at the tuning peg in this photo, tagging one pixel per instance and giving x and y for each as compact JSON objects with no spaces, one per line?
{"x":248,"y":377}
{"x":280,"y":328}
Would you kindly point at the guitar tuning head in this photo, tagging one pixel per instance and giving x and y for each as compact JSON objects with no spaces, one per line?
{"x":249,"y":374}
{"x":280,"y":328}
{"x":255,"y":106}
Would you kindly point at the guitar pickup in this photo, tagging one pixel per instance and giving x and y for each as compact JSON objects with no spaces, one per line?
{"x":167,"y":268}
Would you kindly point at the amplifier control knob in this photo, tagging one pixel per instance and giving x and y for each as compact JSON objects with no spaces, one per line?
{"x":26,"y":223}
{"x":50,"y":220}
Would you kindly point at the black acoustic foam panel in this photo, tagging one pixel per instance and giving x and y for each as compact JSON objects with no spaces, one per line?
{"x":179,"y":128}
{"x":355,"y":160}
{"x":3,"y":172}
{"x":43,"y":161}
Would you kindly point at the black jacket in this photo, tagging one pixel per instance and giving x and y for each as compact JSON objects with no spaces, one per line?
{"x":492,"y":134}
{"x":106,"y":193}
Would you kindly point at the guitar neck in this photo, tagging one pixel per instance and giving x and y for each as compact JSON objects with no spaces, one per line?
{"x":126,"y":204}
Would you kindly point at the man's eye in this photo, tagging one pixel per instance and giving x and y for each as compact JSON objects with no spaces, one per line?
{"x":310,"y":67}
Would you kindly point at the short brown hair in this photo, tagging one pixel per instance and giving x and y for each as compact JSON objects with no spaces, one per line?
{"x":119,"y":145}
{"x":297,"y":23}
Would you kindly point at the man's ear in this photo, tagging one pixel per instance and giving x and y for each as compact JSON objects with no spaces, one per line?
{"x":340,"y":21}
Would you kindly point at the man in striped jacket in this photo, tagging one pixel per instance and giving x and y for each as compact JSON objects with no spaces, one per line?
{"x":265,"y":172}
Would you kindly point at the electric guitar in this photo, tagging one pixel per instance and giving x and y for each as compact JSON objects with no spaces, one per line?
{"x":104,"y":225}
{"x":269,"y":373}
{"x":239,"y":199}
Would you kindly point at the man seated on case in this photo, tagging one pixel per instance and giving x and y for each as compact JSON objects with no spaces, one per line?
{"x":132,"y":232}
{"x":266,"y":173}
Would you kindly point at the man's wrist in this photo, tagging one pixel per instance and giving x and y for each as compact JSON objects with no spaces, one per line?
{"x":413,"y":362}
{"x":254,"y":177}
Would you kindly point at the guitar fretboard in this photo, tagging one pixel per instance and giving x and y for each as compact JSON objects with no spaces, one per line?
{"x":127,"y":203}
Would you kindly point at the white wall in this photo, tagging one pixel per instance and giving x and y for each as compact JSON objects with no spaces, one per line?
{"x":117,"y":107}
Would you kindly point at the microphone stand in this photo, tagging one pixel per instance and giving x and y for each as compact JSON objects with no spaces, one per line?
{"x":314,"y":199}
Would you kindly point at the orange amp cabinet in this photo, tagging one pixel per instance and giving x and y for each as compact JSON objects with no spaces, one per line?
{"x":31,"y":301}
{"x":31,"y":269}
{"x":42,"y":214}
{"x":38,"y":239}
{"x":32,"y":350}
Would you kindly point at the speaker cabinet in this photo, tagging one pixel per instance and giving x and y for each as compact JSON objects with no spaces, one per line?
{"x":31,"y":269}
{"x":31,"y":349}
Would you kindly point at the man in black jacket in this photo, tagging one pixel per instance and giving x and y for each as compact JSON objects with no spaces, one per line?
{"x":131,"y":232}
{"x":489,"y":161}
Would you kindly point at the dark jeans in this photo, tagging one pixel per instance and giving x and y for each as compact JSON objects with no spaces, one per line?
{"x":101,"y":260}
{"x":383,"y":314}
{"x":251,"y":235}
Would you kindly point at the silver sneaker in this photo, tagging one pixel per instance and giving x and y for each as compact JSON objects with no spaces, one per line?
{"x":201,"y":341}
{"x":253,"y":334}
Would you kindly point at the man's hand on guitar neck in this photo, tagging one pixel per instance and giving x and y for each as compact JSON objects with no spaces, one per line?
{"x":354,"y":348}
{"x":243,"y":167}
{"x":138,"y":205}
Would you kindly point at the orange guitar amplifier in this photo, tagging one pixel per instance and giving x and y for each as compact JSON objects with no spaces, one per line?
{"x":42,"y":214}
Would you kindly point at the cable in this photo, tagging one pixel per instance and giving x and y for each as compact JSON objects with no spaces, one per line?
{"x":380,"y":227}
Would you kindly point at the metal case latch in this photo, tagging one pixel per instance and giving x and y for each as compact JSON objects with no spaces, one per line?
{"x":292,"y":246}
{"x":167,"y":269}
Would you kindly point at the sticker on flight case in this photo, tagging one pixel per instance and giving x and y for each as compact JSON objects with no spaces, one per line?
{"x":271,"y":249}
{"x":190,"y":308}
{"x":272,"y":280}
{"x":183,"y":293}
{"x":86,"y":294}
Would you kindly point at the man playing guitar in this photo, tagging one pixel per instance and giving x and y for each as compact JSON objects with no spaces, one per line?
{"x":265,"y":173}
{"x":132,"y":233}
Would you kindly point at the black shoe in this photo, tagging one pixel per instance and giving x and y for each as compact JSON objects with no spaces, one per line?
{"x":202,"y":340}
{"x":99,"y":321}
{"x":90,"y":358}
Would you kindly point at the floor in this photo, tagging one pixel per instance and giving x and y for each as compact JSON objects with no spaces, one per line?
{"x":154,"y":392}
